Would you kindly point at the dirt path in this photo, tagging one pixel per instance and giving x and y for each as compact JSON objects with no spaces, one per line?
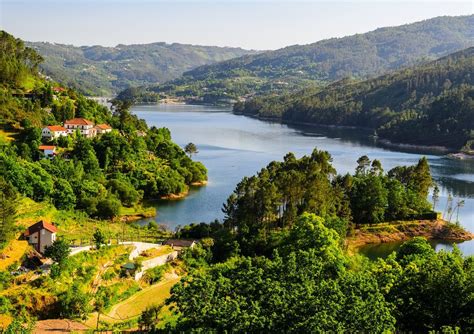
{"x":53,"y":326}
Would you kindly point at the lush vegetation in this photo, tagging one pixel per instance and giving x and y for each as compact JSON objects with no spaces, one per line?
{"x":96,"y":175}
{"x":104,"y":71}
{"x":289,"y":69}
{"x":309,"y":284}
{"x":271,"y":266}
{"x":431,"y":104}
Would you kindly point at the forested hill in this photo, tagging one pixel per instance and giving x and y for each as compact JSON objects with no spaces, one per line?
{"x":98,"y":70}
{"x":430,"y":104}
{"x":95,"y":173}
{"x":359,"y":56}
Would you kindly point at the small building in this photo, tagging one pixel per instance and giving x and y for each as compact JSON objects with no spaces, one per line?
{"x":103,"y":128}
{"x":85,"y":127}
{"x":128,"y":269}
{"x":41,"y":235}
{"x":54,"y":131}
{"x":179,"y":244}
{"x":49,"y":151}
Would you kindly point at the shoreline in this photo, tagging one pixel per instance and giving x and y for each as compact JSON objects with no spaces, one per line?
{"x":183,"y":194}
{"x":403,"y":231}
{"x":434,"y":149}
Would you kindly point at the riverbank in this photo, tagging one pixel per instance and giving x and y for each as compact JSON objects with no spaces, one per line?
{"x":432,"y":149}
{"x":416,"y":148}
{"x":402,"y":231}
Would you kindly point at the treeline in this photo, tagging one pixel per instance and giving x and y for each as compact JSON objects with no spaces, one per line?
{"x":426,"y":105}
{"x":97,"y":175}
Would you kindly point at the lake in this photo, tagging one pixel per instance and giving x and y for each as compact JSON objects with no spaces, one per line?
{"x":233,"y":146}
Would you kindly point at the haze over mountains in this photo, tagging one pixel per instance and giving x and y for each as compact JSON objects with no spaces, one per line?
{"x":359,"y":56}
{"x":98,"y":70}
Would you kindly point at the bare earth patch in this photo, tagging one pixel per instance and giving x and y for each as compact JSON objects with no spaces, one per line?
{"x":401,"y":231}
{"x":53,"y":326}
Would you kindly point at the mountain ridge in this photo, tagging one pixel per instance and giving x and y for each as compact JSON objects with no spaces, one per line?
{"x":104,"y":70}
{"x":359,"y":56}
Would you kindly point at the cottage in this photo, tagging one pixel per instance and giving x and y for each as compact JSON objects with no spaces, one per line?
{"x":49,"y":151}
{"x":54,"y":131}
{"x":84,"y":126}
{"x":179,"y":244}
{"x":103,"y":128}
{"x":41,"y":235}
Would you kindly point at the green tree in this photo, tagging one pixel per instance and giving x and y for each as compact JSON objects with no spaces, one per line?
{"x":149,"y":318}
{"x":368,"y":198}
{"x":8,"y":205}
{"x":63,"y":195}
{"x":191,"y":149}
{"x":99,"y":239}
{"x":108,"y":208}
{"x":58,"y":251}
{"x":74,"y":303}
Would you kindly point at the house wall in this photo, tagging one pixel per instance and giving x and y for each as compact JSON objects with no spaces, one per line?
{"x":33,"y":240}
{"x":46,"y":239}
{"x":46,"y":133}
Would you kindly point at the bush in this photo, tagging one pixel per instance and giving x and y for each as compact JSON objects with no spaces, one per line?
{"x":108,"y":208}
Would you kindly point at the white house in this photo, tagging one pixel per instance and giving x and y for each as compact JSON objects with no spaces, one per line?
{"x":85,"y":127}
{"x":54,"y":131}
{"x":49,"y":151}
{"x":41,"y":235}
{"x":103,"y":128}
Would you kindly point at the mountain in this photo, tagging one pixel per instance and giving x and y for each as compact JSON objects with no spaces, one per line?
{"x":359,"y":56}
{"x":430,"y":104}
{"x":98,"y":70}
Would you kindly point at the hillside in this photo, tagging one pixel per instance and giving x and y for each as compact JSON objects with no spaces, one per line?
{"x":429,"y":104}
{"x":103,"y":164}
{"x":358,"y":56}
{"x":98,"y":70}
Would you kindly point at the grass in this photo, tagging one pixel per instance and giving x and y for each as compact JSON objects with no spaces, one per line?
{"x":138,"y":210}
{"x":155,"y":294}
{"x":73,"y":225}
{"x":155,"y":252}
{"x":13,"y":253}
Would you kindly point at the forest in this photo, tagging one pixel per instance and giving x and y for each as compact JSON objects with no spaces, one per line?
{"x":278,"y":263}
{"x":430,"y":104}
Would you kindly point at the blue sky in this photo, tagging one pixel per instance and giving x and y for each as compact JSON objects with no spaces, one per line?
{"x":257,"y":24}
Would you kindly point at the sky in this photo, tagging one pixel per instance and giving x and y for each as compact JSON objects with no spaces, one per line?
{"x":257,"y":24}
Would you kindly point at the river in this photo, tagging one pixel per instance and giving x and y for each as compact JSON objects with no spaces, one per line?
{"x":232,"y":147}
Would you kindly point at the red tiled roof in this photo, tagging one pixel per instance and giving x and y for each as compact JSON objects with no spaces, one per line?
{"x":46,"y":147}
{"x":78,"y":121}
{"x":103,"y":126}
{"x":40,"y":226}
{"x":59,"y":89}
{"x":56,"y":128}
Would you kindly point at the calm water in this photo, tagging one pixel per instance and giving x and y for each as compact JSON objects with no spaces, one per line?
{"x":233,"y":146}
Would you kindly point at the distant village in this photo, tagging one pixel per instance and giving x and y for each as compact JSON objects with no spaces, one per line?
{"x":83,"y":126}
